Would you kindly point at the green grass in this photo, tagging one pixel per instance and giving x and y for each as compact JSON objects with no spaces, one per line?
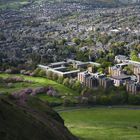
{"x":16,"y":87}
{"x":39,"y":82}
{"x":103,"y":123}
{"x":44,"y":97}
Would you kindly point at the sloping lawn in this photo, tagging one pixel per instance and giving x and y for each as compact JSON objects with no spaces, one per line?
{"x":38,"y":81}
{"x":103,"y":123}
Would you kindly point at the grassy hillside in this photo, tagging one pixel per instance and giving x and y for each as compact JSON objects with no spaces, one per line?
{"x":33,"y":120}
{"x":104,"y":123}
{"x":37,"y":82}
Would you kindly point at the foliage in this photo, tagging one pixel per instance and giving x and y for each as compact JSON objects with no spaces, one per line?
{"x":134,"y":56}
{"x":134,"y":99}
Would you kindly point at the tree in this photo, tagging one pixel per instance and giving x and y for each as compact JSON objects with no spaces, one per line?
{"x":36,"y":72}
{"x":62,"y":42}
{"x":60,"y":79}
{"x":66,"y":82}
{"x":101,"y":70}
{"x":77,"y":86}
{"x":55,"y":76}
{"x":42,"y":73}
{"x":67,"y":102}
{"x":76,"y":41}
{"x":128,"y":70}
{"x":104,"y":100}
{"x":50,"y":74}
{"x":134,"y":99}
{"x":118,"y":98}
{"x":87,"y":92}
{"x":134,"y":56}
{"x":71,"y":82}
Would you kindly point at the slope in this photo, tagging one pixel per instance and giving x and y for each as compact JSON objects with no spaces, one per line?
{"x":30,"y":119}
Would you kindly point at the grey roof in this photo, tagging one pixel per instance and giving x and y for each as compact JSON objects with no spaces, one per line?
{"x":121,"y":77}
{"x":57,"y":63}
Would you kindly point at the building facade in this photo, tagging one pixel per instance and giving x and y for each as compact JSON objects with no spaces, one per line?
{"x":94,"y":80}
{"x":133,"y":88}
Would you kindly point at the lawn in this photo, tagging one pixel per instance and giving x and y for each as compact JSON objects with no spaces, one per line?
{"x":38,"y":81}
{"x":103,"y":123}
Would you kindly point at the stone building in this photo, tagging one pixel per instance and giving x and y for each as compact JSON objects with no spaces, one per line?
{"x":105,"y":82}
{"x":120,"y":80}
{"x":88,"y":79}
{"x":133,"y":87}
{"x":136,"y":70}
{"x":114,"y":71}
{"x":94,"y":80}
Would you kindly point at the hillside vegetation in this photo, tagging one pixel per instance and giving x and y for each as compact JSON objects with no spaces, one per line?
{"x":30,"y":120}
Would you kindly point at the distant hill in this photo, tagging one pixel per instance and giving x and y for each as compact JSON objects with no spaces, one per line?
{"x":31,"y":120}
{"x":15,"y":4}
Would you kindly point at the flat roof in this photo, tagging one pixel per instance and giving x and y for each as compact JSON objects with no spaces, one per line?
{"x":57,"y":63}
{"x":122,"y":64}
{"x":133,"y":62}
{"x":42,"y":66}
{"x":121,"y":77}
{"x":57,"y":68}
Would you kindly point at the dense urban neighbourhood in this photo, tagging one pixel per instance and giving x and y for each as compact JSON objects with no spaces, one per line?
{"x":48,"y":31}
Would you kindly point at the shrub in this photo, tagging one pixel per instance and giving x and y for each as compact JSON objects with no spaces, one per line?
{"x":60,"y":80}
{"x":103,"y":100}
{"x":55,"y":77}
{"x":134,"y":99}
{"x":36,"y":72}
{"x":68,"y":102}
{"x":50,"y":75}
{"x":66,"y":82}
{"x":42,"y":73}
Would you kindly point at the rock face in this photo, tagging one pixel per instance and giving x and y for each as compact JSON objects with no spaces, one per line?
{"x":34,"y":120}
